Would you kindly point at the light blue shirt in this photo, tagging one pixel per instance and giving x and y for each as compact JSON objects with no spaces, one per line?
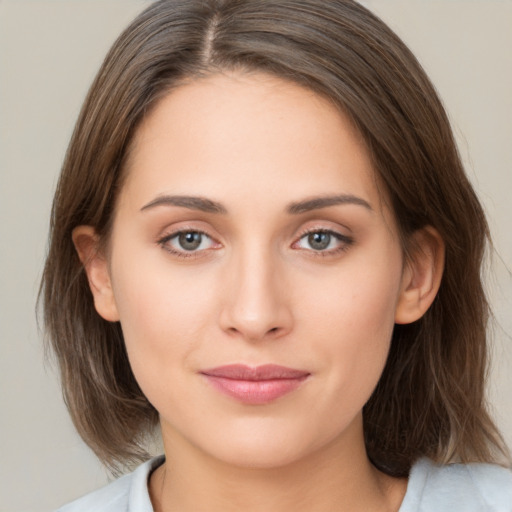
{"x":431,"y":488}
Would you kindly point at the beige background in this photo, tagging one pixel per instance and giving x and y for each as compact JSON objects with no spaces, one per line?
{"x":49,"y":52}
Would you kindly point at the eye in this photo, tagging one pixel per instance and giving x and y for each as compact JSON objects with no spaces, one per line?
{"x":188,"y":241}
{"x":323,"y":241}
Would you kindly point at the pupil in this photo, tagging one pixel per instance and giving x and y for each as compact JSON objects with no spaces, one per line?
{"x":319,"y":241}
{"x":190,"y":241}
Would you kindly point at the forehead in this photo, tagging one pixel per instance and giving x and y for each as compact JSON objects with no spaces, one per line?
{"x":253,"y":132}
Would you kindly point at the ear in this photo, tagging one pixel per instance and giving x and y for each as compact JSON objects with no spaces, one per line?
{"x":421,"y":275}
{"x":96,"y":267}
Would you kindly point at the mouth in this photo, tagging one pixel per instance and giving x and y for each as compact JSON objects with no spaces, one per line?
{"x":255,"y":385}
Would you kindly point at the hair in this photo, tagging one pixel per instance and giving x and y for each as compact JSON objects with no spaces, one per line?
{"x":430,"y":400}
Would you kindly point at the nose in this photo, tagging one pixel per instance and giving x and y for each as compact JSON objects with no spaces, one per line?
{"x":256,"y":302}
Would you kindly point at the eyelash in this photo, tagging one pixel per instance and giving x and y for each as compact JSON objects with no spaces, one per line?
{"x":164,"y":243}
{"x":344,"y":240}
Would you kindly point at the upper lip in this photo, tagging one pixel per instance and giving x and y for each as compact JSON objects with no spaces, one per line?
{"x":249,"y":373}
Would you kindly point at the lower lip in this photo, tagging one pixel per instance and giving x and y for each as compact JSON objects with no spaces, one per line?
{"x":255,"y":392}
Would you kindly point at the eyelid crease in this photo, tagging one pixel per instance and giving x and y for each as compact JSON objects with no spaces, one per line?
{"x":163,"y":242}
{"x":180,"y":231}
{"x":345,"y":240}
{"x":339,"y":236}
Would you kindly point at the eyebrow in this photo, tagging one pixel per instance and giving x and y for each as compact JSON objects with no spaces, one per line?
{"x":209,"y":206}
{"x":190,"y":202}
{"x":316,"y":203}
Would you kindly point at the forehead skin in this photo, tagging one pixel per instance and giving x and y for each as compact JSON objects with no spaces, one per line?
{"x":297,"y":132}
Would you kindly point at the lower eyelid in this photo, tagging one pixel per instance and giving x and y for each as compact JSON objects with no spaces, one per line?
{"x":164,"y":242}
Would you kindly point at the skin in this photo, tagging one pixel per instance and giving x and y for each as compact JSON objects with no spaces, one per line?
{"x":257,"y":291}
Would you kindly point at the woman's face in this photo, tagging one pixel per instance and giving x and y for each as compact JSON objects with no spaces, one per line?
{"x":250,"y":231}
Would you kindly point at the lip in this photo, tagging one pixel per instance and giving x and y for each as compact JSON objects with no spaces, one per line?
{"x":255,"y":385}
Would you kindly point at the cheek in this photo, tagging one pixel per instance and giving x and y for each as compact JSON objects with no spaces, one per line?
{"x":164,"y":316}
{"x":354,"y":320}
{"x":358,"y":299}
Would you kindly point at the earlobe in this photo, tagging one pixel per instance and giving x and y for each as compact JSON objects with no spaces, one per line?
{"x":86,"y":243}
{"x":422,"y":275}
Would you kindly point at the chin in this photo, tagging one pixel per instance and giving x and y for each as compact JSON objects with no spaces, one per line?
{"x":266,"y":449}
{"x":266,"y":457}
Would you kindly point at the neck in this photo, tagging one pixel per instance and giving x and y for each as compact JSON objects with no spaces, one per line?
{"x":336,"y":477}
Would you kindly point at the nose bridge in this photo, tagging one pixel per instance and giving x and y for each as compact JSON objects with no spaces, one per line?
{"x":257,"y":304}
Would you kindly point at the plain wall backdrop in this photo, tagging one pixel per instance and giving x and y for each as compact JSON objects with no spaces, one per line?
{"x":49,"y":53}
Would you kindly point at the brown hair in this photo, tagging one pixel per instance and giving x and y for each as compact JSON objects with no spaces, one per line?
{"x":430,"y":399}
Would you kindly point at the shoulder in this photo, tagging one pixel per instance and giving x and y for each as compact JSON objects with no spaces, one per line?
{"x":128,"y":493}
{"x":458,"y":487}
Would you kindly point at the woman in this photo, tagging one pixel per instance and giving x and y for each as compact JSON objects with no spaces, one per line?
{"x":263,"y":240}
